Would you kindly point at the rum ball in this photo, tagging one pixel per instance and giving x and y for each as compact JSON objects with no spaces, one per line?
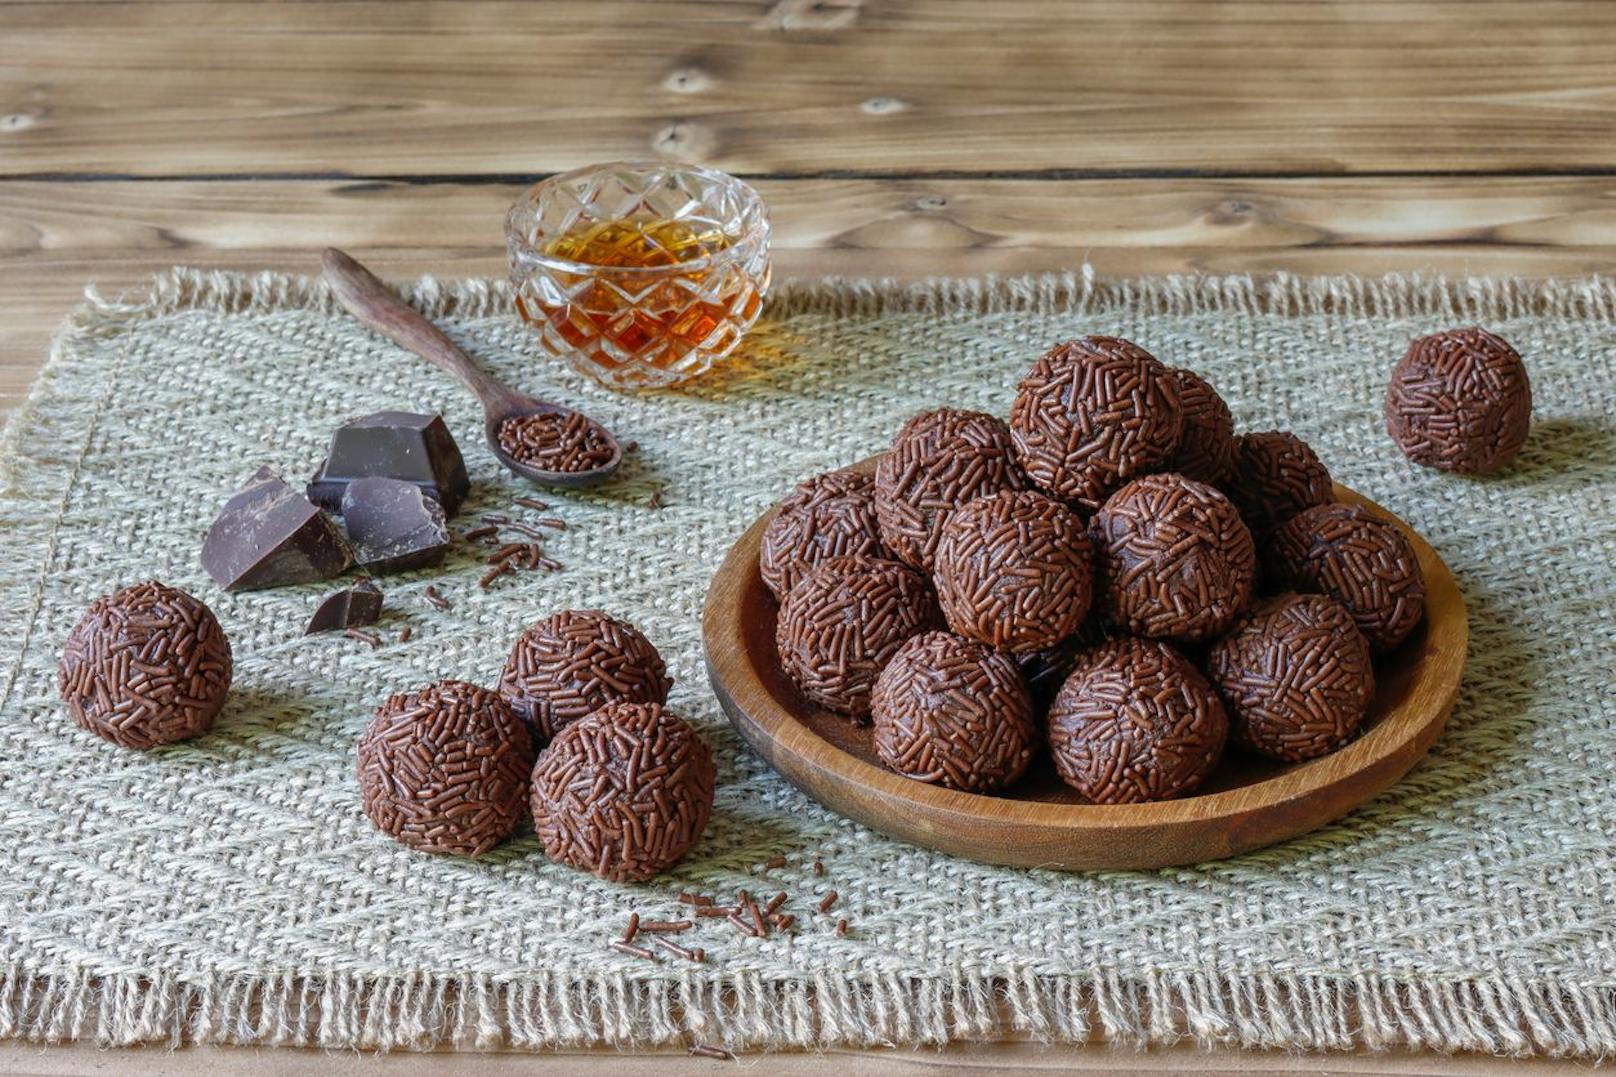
{"x":1461,"y":401}
{"x":575,"y":662}
{"x":1362,"y":561}
{"x":797,"y":539}
{"x":1276,"y":475}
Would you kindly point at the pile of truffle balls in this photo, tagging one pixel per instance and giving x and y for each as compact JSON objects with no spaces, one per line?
{"x":575,"y":731}
{"x":1118,"y":547}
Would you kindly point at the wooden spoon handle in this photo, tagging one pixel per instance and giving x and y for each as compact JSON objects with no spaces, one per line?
{"x":380,"y":308}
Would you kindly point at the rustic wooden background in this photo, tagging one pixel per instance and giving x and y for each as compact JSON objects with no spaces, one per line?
{"x":890,"y":137}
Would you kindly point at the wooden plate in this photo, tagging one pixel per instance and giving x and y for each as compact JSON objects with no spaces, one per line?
{"x":1247,"y":803}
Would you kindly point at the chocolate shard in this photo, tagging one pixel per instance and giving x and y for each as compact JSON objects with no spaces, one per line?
{"x":393,"y":445}
{"x":350,"y":607}
{"x":268,"y":535}
{"x":393,"y":525}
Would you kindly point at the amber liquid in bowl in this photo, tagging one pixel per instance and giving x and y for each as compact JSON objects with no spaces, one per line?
{"x":667,"y":322}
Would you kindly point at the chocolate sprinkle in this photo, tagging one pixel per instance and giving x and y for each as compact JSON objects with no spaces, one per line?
{"x":144,"y":666}
{"x":555,"y":442}
{"x":796,"y":541}
{"x":1013,"y":571}
{"x":1206,"y":444}
{"x":955,"y":713}
{"x":624,"y":792}
{"x":842,"y":623}
{"x":1135,"y":722}
{"x":1296,"y":675}
{"x":1092,"y":414}
{"x":576,"y":661}
{"x":1174,"y":558}
{"x":1276,"y":475}
{"x":939,"y":461}
{"x":1460,"y":401}
{"x":444,"y":768}
{"x":1360,"y":560}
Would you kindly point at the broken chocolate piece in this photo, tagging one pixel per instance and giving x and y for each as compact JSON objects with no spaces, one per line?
{"x":268,"y":535}
{"x":348,"y":608}
{"x":393,"y":525}
{"x":393,"y":445}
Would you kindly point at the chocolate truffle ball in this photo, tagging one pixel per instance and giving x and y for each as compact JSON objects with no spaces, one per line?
{"x":843,"y":621}
{"x":1206,"y":445}
{"x":444,"y":769}
{"x":1173,"y":558}
{"x":144,"y":666}
{"x":1460,"y":401}
{"x":954,"y":713}
{"x":1296,"y":675}
{"x":798,"y":539}
{"x":1134,"y":722}
{"x":576,"y":661}
{"x":843,"y":482}
{"x":1013,"y":571}
{"x":939,"y":461}
{"x":1092,"y":414}
{"x":1276,"y":475}
{"x":623,"y":793}
{"x":1358,"y":559}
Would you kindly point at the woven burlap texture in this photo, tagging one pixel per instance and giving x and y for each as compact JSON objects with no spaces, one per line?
{"x":229,"y":889}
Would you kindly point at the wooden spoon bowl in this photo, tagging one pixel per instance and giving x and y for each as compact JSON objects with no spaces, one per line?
{"x":1247,"y":802}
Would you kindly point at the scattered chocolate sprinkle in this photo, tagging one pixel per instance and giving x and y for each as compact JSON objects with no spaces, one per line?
{"x":841,"y":929}
{"x":695,"y":954}
{"x":434,"y":599}
{"x":1360,"y":560}
{"x":576,"y":661}
{"x":364,"y":636}
{"x":1135,"y":722}
{"x":554,"y":441}
{"x":669,"y":926}
{"x":655,"y":500}
{"x":1174,"y":558}
{"x":1206,"y":447}
{"x":495,"y":573}
{"x":633,"y":950}
{"x":714,"y":911}
{"x":531,"y":503}
{"x":694,"y":899}
{"x":404,"y":634}
{"x":1461,"y":401}
{"x":623,"y":792}
{"x":774,"y":863}
{"x":742,"y":925}
{"x":1092,"y":414}
{"x":827,"y":901}
{"x":843,"y":621}
{"x":145,"y":665}
{"x":1013,"y":571}
{"x":939,"y":461}
{"x":553,"y":523}
{"x":1276,"y":475}
{"x":819,"y":866}
{"x":525,"y":529}
{"x":784,"y":923}
{"x":506,"y":552}
{"x":797,"y":540}
{"x":707,"y":1050}
{"x":632,"y":928}
{"x":445,"y":768}
{"x":494,"y":518}
{"x":486,"y":531}
{"x":774,"y":903}
{"x":1296,"y":675}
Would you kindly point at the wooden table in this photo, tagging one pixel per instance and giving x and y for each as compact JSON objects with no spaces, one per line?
{"x":890,"y":137}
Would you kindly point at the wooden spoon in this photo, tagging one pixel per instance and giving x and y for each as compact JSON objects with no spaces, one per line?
{"x":380,"y":308}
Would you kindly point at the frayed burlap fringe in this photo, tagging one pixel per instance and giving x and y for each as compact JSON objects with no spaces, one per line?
{"x":749,"y":1009}
{"x":742,"y":1011}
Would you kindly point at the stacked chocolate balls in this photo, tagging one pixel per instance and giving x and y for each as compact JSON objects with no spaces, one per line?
{"x":1184,"y":586}
{"x":576,"y":732}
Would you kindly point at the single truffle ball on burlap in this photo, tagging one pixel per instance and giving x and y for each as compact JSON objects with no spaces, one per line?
{"x":1276,"y":475}
{"x":955,"y":713}
{"x":623,"y":793}
{"x":797,"y":539}
{"x":1296,"y":675}
{"x":576,"y":661}
{"x":1460,"y":401}
{"x":939,"y":461}
{"x":444,"y":769}
{"x":1173,"y":558}
{"x":1013,"y":571}
{"x":843,"y":621}
{"x":144,"y":666}
{"x":843,"y":482}
{"x":1135,"y":722}
{"x":1092,"y":414}
{"x":1360,"y":560}
{"x":1206,"y":444}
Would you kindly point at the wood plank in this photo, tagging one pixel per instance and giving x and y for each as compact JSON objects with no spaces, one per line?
{"x":56,"y":237}
{"x":1099,"y":87}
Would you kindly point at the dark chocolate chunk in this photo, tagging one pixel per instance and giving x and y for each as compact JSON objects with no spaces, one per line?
{"x":360,"y":604}
{"x":393,"y":445}
{"x":268,"y":535}
{"x":393,"y":525}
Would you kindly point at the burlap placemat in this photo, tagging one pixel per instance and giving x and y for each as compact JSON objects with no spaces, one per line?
{"x":229,"y":889}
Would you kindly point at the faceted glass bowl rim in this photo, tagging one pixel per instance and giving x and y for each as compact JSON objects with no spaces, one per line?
{"x":524,"y":210}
